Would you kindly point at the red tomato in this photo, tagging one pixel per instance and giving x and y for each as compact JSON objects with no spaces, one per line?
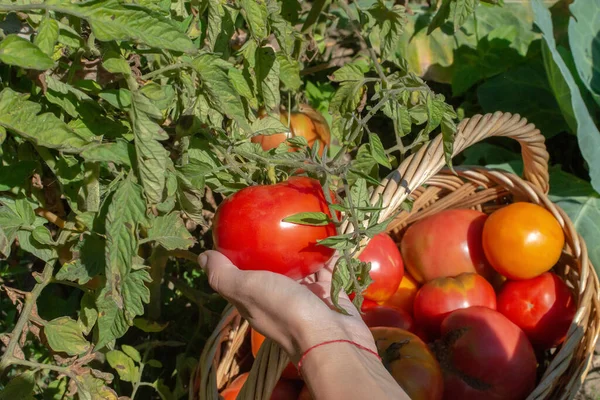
{"x":485,"y":356}
{"x":522,"y":240}
{"x":543,"y":307}
{"x":284,"y":389}
{"x":445,"y":244}
{"x":249,"y":229}
{"x":387,"y":317}
{"x":387,"y":268}
{"x":405,"y":295}
{"x":410,"y":362}
{"x":290,"y":371}
{"x":439,"y":297}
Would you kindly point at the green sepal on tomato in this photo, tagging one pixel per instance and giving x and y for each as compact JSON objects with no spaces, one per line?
{"x":250,"y":230}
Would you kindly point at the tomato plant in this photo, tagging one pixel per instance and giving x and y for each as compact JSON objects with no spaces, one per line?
{"x":249,"y":228}
{"x":543,"y":307}
{"x":485,"y":356}
{"x":387,"y":316}
{"x":256,"y":340}
{"x":439,"y":297}
{"x":447,"y":243}
{"x":387,"y":268}
{"x":405,"y":295}
{"x":410,"y":362}
{"x":522,"y":240}
{"x":306,"y":122}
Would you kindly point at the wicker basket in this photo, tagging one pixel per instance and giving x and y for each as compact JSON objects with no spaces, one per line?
{"x":434,"y":188}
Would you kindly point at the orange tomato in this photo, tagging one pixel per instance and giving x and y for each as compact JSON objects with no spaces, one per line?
{"x":405,"y":295}
{"x":290,"y":371}
{"x":284,"y":389}
{"x":307,"y":122}
{"x":410,"y":362}
{"x":522,"y":240}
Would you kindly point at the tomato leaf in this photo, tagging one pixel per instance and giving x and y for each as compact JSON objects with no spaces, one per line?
{"x":255,"y":13}
{"x":267,"y":76}
{"x":339,"y":242}
{"x":19,"y":387}
{"x":378,"y":151}
{"x":268,"y":126}
{"x":47,"y":35}
{"x":131,"y":352}
{"x":64,"y":335}
{"x":90,"y":263}
{"x":123,"y":364}
{"x":309,"y":218}
{"x":14,"y":50}
{"x":169,"y":231}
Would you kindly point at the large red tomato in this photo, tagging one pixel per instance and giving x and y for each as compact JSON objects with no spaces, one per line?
{"x":256,"y":339}
{"x":405,"y":295}
{"x":485,"y":356}
{"x":410,"y":362}
{"x":305,"y":394}
{"x":522,"y":240}
{"x":445,"y":244}
{"x":439,"y":297}
{"x":249,"y":228}
{"x":284,"y":389}
{"x":388,"y":317}
{"x":387,"y":268}
{"x":543,"y":307}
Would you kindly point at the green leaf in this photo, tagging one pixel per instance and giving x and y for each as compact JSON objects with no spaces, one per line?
{"x":309,"y":218}
{"x":268,"y":126}
{"x":170,"y":232}
{"x":289,"y":72}
{"x":5,"y":243}
{"x":241,"y":85}
{"x":23,"y":117}
{"x":116,"y":64}
{"x":64,"y":335}
{"x":19,"y":387}
{"x":339,"y":242}
{"x":297,"y":141}
{"x":120,"y":152}
{"x":584,"y":28}
{"x":215,"y":18}
{"x":118,"y":98}
{"x":341,"y":279}
{"x":435,"y":112}
{"x":131,"y":352}
{"x":524,"y":90}
{"x":267,"y":76}
{"x":30,"y":245}
{"x":126,"y":210}
{"x":149,"y":326}
{"x":14,"y":50}
{"x":559,"y":86}
{"x":91,"y":388}
{"x":88,"y":263}
{"x":47,"y":35}
{"x":354,"y":71}
{"x":378,"y":151}
{"x":391,"y":23}
{"x":151,"y":155}
{"x":463,"y":9}
{"x":16,"y":175}
{"x":284,"y":32}
{"x":448,"y":135}
{"x":42,"y":235}
{"x":123,"y":364}
{"x":346,"y":98}
{"x":440,"y":17}
{"x":255,"y":12}
{"x":111,"y":20}
{"x":219,"y":89}
{"x":588,"y":135}
{"x":88,"y":315}
{"x":135,"y":294}
{"x":154,"y":363}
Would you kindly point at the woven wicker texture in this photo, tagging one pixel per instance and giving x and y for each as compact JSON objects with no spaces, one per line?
{"x":433,"y":188}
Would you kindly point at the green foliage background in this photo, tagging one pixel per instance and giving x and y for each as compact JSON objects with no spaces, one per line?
{"x":124,"y":123}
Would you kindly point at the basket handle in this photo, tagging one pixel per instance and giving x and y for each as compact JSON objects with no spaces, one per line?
{"x":417,"y":168}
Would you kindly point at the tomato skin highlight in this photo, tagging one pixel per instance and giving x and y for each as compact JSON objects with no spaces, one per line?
{"x":522,"y":240}
{"x":410,"y":362}
{"x":387,"y":267}
{"x":485,"y":356}
{"x":439,"y":297}
{"x":543,"y":307}
{"x":248,"y":228}
{"x":446,"y":244}
{"x":387,"y":317}
{"x":405,"y":295}
{"x":256,"y":340}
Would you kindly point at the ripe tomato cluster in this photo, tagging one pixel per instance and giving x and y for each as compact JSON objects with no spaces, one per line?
{"x":459,"y":309}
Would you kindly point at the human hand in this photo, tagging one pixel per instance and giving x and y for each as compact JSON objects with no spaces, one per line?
{"x":296,"y":315}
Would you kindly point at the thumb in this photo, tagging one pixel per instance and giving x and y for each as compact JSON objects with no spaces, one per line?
{"x":222,"y":274}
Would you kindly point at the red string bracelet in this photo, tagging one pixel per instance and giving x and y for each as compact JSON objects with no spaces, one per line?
{"x":335,"y":341}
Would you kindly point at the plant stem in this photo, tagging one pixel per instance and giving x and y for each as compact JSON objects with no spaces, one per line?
{"x":163,"y":70}
{"x":30,"y":299}
{"x":138,"y":383}
{"x":51,"y":217}
{"x":35,"y":365}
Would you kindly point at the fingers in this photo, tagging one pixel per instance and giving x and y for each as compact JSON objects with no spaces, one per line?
{"x":223,"y":276}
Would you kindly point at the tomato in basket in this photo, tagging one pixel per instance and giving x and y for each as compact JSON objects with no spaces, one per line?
{"x":284,"y":389}
{"x":249,"y":229}
{"x":256,"y":339}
